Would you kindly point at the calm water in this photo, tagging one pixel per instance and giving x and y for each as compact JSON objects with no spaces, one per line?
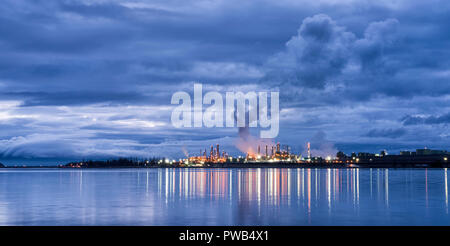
{"x":224,"y":197}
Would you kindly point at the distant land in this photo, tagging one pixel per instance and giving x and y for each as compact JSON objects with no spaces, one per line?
{"x":421,"y":158}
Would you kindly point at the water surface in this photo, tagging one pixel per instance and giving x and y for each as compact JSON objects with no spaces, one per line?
{"x":224,"y":197}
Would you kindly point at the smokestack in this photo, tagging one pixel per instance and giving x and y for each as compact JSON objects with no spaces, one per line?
{"x":272,"y":150}
{"x":211,"y":154}
{"x":218,"y":152}
{"x":309,"y":150}
{"x":259,"y":150}
{"x":266,"y":150}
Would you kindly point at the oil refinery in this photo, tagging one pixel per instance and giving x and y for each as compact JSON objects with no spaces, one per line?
{"x":264,"y":154}
{"x":275,"y":156}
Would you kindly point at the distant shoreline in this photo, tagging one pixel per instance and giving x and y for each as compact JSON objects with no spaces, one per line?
{"x":239,"y":165}
{"x":360,"y":161}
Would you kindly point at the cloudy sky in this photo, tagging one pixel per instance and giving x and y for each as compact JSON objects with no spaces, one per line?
{"x":94,"y":78}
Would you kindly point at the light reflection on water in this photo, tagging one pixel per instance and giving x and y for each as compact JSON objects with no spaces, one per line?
{"x":224,"y":197}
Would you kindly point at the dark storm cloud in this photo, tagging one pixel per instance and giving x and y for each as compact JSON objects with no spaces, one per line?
{"x":379,"y":37}
{"x":326,"y":53}
{"x":86,"y":45}
{"x":386,"y":133}
{"x":320,"y":50}
{"x":430,"y":120}
{"x":165,"y":43}
{"x":74,"y":97}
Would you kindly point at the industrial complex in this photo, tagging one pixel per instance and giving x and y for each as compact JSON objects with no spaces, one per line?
{"x":274,"y":155}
